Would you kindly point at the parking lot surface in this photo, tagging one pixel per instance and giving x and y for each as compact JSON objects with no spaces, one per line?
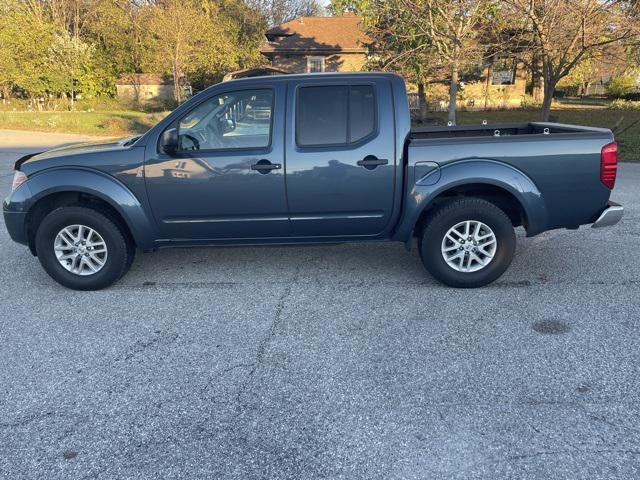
{"x":325,"y":362}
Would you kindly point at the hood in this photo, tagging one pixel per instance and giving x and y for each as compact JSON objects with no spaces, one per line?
{"x":73,"y":149}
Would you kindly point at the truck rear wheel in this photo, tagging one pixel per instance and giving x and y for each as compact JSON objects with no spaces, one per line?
{"x":467,"y":243}
{"x":82,"y":248}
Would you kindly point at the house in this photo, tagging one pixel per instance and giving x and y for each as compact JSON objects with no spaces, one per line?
{"x":317,"y":44}
{"x":339,"y":44}
{"x":144,"y":87}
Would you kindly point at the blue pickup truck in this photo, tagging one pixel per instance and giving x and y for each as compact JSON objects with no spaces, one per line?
{"x":321,"y":158}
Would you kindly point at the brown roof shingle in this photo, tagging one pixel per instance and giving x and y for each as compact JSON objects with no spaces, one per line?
{"x":317,"y":34}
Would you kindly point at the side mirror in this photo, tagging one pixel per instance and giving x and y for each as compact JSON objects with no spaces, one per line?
{"x":169,"y":141}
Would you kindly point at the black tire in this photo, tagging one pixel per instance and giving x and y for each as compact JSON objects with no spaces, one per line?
{"x":119,"y":257}
{"x":449,"y":215}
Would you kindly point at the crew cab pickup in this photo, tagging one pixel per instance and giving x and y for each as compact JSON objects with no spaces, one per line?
{"x":319,"y":158}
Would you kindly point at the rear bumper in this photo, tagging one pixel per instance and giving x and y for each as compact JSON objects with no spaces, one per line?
{"x":610,"y":216}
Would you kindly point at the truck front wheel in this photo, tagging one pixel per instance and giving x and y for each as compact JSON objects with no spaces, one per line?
{"x":82,"y":248}
{"x":467,"y":243}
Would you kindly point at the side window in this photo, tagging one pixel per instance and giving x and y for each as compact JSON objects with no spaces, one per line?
{"x":232,"y":120}
{"x":321,"y":117}
{"x":335,"y":115}
{"x":362,"y":112}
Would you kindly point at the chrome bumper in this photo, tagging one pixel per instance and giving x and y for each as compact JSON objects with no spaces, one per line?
{"x":612,"y":215}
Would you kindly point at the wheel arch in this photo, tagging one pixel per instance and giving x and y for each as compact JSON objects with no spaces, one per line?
{"x":63,"y":187}
{"x":497,"y":195}
{"x":52,"y":201}
{"x":505,"y":186}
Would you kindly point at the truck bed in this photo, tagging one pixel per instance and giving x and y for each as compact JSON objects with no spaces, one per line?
{"x":563,"y":161}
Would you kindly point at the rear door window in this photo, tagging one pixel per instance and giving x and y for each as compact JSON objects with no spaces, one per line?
{"x":335,"y":115}
{"x":362,"y":115}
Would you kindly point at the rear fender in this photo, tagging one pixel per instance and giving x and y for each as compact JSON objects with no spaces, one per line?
{"x":423,"y":191}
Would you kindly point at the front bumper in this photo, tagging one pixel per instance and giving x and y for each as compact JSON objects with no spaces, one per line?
{"x":610,"y":216}
{"x":15,"y":223}
{"x":15,"y":208}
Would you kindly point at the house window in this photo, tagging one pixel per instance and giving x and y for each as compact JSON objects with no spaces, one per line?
{"x":504,"y":72}
{"x":315,"y":64}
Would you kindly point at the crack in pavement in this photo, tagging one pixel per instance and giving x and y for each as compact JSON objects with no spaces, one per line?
{"x":164,"y":338}
{"x":525,"y":456}
{"x":27,"y":420}
{"x":264,"y":343}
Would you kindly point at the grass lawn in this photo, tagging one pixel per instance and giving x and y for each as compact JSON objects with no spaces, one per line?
{"x":627,"y":134}
{"x":128,"y":122}
{"x":108,"y":123}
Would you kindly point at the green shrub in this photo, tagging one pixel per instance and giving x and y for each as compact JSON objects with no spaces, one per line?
{"x":529,"y":103}
{"x":620,"y":86}
{"x":620,"y":104}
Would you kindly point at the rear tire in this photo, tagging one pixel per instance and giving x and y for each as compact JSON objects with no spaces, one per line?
{"x":473,"y":260}
{"x":70,"y":272}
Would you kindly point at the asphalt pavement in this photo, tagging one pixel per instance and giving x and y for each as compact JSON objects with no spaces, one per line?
{"x":336,"y":362}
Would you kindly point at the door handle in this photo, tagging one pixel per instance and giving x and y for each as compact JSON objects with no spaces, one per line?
{"x":370,"y":162}
{"x":265,"y":166}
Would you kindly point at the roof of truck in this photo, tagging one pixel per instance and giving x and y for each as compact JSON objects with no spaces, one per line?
{"x":311,"y":76}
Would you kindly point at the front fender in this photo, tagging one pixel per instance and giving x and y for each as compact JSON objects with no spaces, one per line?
{"x":422,"y":191}
{"x":92,"y":182}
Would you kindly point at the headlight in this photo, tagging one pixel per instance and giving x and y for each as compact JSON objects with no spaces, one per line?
{"x":18,"y":179}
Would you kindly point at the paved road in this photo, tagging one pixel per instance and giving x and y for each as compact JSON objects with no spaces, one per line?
{"x":326,"y":362}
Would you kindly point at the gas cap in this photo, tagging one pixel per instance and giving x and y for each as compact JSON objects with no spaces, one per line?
{"x":426,"y":173}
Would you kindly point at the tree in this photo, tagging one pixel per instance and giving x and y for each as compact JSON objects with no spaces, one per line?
{"x":118,"y":32}
{"x":200,"y":41}
{"x":393,"y":42}
{"x":429,"y":35}
{"x":454,"y":27}
{"x":25,"y":37}
{"x":564,"y":33}
{"x":181,"y":37}
{"x":276,"y":12}
{"x":55,"y":49}
{"x":578,"y":81}
{"x":69,"y":65}
{"x":338,"y":7}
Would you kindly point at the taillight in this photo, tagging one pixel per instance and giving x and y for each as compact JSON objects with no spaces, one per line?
{"x":609,"y":164}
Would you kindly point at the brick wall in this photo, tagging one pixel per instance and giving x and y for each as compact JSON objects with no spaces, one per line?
{"x":344,"y":62}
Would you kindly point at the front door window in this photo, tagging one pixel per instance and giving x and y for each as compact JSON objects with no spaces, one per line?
{"x":234,"y":120}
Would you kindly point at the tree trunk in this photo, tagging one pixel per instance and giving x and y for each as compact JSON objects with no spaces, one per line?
{"x":549,"y":91}
{"x":5,"y":93}
{"x":422,"y":101}
{"x":177,"y":94}
{"x":453,"y":92}
{"x":537,"y":79}
{"x":487,"y":85}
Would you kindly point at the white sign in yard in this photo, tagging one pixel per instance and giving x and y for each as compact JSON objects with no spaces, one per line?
{"x":502,"y":77}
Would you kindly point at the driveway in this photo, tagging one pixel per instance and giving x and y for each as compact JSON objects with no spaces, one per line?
{"x":325,"y":362}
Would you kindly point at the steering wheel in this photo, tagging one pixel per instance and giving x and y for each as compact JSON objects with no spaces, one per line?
{"x":195,"y":144}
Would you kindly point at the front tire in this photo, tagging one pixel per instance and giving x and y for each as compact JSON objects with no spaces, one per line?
{"x":82,"y":249}
{"x":467,"y":243}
